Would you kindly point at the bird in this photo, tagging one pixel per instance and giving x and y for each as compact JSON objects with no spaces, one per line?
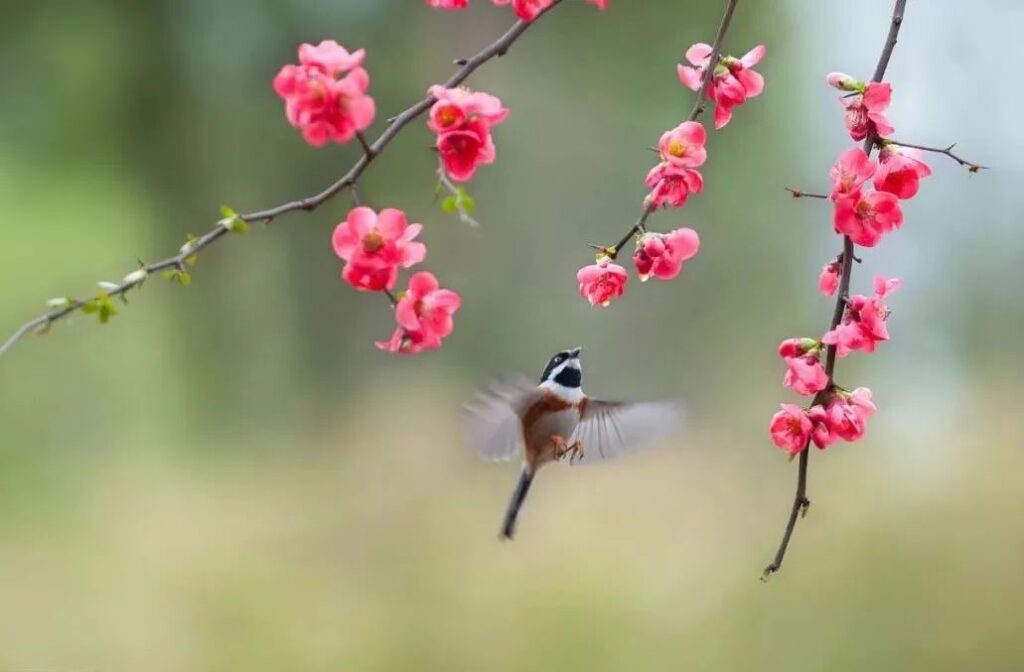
{"x":555,"y":420}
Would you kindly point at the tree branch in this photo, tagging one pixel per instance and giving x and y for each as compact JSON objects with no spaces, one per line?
{"x":797,"y":193}
{"x":948,"y":151}
{"x":800,"y":500}
{"x":370,"y":152}
{"x":698,"y":109}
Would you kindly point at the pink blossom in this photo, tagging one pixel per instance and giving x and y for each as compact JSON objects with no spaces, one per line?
{"x":852,"y":169}
{"x":863,"y":325}
{"x":683,"y":146}
{"x":791,"y":429}
{"x":527,"y":10}
{"x":828,"y":281}
{"x":797,"y":347}
{"x":403,"y":342}
{"x":866,"y":218}
{"x":671,"y":185}
{"x":600,"y":4}
{"x":319,"y":103}
{"x":330,"y":57}
{"x":844,"y":82}
{"x":663,"y":255}
{"x":866,"y":110}
{"x":464,"y":150}
{"x":848,"y":413}
{"x":900,"y":173}
{"x":425,"y":311}
{"x":821,"y":428}
{"x":805,"y":375}
{"x":457,"y":106}
{"x":448,"y":4}
{"x":376,"y":246}
{"x":734,"y":79}
{"x":602,"y":282}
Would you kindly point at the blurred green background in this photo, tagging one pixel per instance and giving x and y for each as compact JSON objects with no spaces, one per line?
{"x":230,"y":476}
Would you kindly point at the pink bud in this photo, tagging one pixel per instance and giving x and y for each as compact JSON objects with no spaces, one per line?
{"x":844,"y":82}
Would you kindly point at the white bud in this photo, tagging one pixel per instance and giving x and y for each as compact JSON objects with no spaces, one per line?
{"x":58,"y":302}
{"x":135,"y":277}
{"x":109,"y":286}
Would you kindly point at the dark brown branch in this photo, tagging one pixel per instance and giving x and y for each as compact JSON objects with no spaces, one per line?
{"x":370,"y":152}
{"x":948,"y":151}
{"x":698,"y":109}
{"x":797,"y":193}
{"x":800,"y":501}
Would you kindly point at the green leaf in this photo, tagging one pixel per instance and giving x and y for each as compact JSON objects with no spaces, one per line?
{"x":450,"y":205}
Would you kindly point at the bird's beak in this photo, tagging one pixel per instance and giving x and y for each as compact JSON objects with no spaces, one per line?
{"x":576,"y":353}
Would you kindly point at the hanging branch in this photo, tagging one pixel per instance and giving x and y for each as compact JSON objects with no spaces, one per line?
{"x":175,"y":266}
{"x":801,"y":503}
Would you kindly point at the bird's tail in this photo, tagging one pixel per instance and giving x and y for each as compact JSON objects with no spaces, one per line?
{"x":518,"y":497}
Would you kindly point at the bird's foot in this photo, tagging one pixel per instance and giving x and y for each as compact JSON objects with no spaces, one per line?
{"x":575,"y":452}
{"x":559,"y":446}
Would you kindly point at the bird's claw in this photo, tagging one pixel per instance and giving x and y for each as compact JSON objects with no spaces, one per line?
{"x":576,"y":452}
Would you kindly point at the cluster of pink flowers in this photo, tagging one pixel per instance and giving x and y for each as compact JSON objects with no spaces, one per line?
{"x":527,"y":10}
{"x":375,"y":246}
{"x":325,"y":95}
{"x":462,"y":120}
{"x":681,"y":151}
{"x":866,"y":206}
{"x":733,"y":81}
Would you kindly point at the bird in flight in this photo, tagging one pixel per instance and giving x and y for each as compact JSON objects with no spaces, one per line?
{"x":555,"y":421}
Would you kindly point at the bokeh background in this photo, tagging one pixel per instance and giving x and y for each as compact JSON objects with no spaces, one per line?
{"x":229,"y":476}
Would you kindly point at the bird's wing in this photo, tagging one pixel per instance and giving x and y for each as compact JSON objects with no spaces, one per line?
{"x":608,"y":428}
{"x":491,"y":423}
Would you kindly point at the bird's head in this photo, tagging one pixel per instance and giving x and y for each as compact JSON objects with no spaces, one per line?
{"x":563,"y":375}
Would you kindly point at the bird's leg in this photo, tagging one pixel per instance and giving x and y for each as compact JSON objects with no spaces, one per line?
{"x":576,"y":451}
{"x":558,"y":443}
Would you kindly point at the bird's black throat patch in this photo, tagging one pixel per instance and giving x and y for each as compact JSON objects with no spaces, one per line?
{"x":569,"y":377}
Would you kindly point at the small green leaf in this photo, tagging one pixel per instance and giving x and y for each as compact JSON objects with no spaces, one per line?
{"x":450,"y":205}
{"x":232,"y":221}
{"x":468,"y":204}
{"x":177,"y":275}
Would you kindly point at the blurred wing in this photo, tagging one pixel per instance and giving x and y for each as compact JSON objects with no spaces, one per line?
{"x":491,"y":423}
{"x":609,"y":428}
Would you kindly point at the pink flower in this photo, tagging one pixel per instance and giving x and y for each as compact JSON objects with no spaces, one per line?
{"x":671,"y":185}
{"x":663,"y":255}
{"x":462,"y":120}
{"x":527,"y":10}
{"x":324,"y":107}
{"x":844,"y":82}
{"x":805,"y":375}
{"x":866,"y":110}
{"x":852,"y":169}
{"x":458,"y":106}
{"x":900,"y":174}
{"x":600,"y":4}
{"x":791,"y":429}
{"x":464,"y":150}
{"x":376,"y":246}
{"x":683,"y":146}
{"x":602,"y":282}
{"x":424,"y":316}
{"x":821,"y":428}
{"x":733,"y":83}
{"x":448,"y":4}
{"x":848,"y":413}
{"x":828,"y":281}
{"x":866,"y":218}
{"x":797,"y":347}
{"x":863,"y":325}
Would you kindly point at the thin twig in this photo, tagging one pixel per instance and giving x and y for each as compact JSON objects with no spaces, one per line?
{"x":799,"y":193}
{"x":800,"y":500}
{"x":370,"y":152}
{"x":698,"y":109}
{"x":948,"y":151}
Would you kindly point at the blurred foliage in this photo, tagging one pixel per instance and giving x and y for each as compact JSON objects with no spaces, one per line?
{"x":229,"y":476}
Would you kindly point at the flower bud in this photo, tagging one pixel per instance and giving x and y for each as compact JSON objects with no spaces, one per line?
{"x":844,"y":82}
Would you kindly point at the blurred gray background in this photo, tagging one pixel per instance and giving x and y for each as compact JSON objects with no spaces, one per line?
{"x":230,"y":476}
